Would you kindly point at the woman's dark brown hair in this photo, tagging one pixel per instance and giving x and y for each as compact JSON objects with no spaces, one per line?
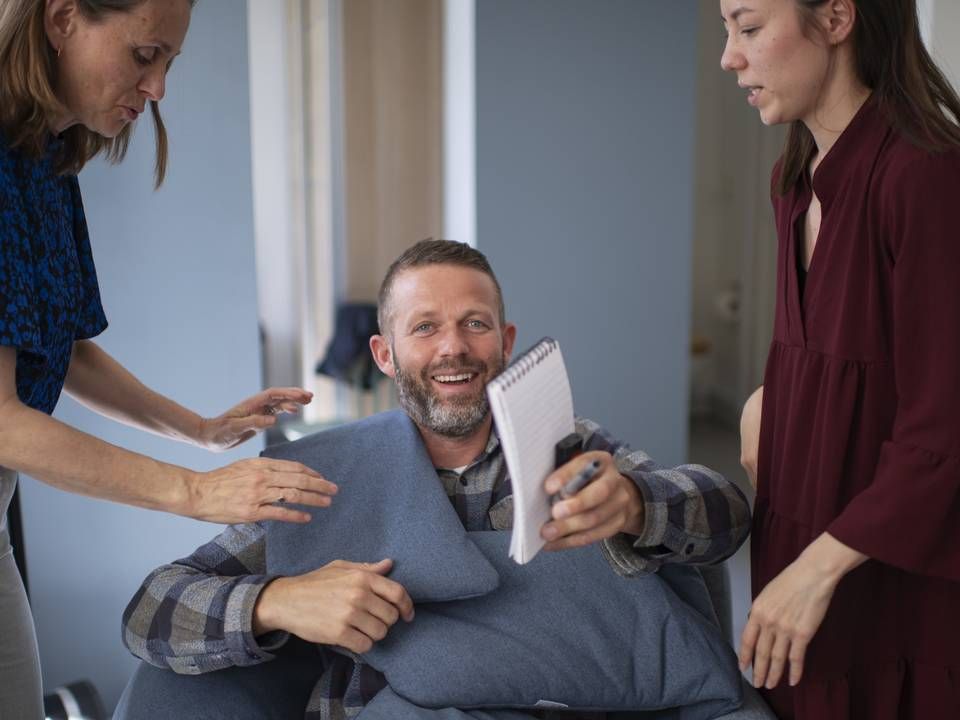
{"x":892,"y":61}
{"x":27,"y":99}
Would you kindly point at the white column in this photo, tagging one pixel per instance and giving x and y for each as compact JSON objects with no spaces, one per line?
{"x":267,"y":39}
{"x":459,"y":122}
{"x":925,"y":11}
{"x":943,"y":36}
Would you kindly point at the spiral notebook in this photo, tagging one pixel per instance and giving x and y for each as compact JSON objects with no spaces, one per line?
{"x":533,"y":409}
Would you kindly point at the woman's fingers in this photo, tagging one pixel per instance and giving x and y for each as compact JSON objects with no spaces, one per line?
{"x":778,"y":660}
{"x":281,"y":514}
{"x":761,"y":656}
{"x":272,"y":401}
{"x":748,"y":643}
{"x":284,"y":474}
{"x":248,"y":491}
{"x":249,"y":425}
{"x":296,"y":394}
{"x":296,"y":496}
{"x":798,"y":650}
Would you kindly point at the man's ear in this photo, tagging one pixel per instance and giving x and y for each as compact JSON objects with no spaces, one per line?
{"x":60,"y":21}
{"x":383,"y":355}
{"x":509,"y":338}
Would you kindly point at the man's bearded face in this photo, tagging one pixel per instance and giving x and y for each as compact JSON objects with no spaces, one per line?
{"x":457,"y":413}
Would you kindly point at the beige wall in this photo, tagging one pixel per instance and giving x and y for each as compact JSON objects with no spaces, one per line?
{"x":392,"y":65}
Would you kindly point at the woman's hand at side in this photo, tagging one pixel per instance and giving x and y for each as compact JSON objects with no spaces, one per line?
{"x":789,"y":610}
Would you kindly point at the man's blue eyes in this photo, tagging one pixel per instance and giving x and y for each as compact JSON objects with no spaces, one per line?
{"x":476,"y":324}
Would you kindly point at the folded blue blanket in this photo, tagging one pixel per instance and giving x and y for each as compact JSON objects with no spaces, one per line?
{"x":561,"y":631}
{"x":390,"y":504}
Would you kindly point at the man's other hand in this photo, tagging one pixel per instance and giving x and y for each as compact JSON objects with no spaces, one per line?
{"x":343,"y":603}
{"x":608,"y":505}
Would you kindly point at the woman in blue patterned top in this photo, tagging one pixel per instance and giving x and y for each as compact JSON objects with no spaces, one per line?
{"x":74,"y":76}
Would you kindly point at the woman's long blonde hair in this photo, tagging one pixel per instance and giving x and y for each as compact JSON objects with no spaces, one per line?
{"x":27,"y":100}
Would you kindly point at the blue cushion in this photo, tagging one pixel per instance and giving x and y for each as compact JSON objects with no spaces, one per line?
{"x":387,"y":705}
{"x":390,"y":504}
{"x":277,"y":690}
{"x":565,"y":631}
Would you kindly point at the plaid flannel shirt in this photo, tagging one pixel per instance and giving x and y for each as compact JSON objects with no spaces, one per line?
{"x":195,"y":615}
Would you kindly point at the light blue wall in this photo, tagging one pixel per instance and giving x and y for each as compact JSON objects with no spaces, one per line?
{"x":176,"y":271}
{"x":585,"y":131}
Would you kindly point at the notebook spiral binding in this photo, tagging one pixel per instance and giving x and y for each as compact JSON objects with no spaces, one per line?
{"x":525,"y":363}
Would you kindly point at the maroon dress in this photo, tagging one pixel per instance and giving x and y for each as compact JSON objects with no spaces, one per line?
{"x":861,"y":426}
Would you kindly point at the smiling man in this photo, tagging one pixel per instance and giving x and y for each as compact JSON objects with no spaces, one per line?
{"x":444,"y":337}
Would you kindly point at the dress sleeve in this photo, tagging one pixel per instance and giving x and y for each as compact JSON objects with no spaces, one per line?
{"x":91,"y":320}
{"x":19,"y":324}
{"x":908,"y":516}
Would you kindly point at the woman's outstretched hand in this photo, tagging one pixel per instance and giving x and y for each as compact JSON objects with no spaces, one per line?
{"x":253,"y":415}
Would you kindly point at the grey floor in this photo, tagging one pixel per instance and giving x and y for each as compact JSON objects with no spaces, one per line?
{"x":718,"y":447}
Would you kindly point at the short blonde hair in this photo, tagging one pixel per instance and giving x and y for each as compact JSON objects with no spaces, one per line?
{"x":434,"y":252}
{"x":27,"y":99}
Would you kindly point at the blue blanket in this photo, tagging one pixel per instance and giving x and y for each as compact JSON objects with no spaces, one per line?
{"x":561,"y":631}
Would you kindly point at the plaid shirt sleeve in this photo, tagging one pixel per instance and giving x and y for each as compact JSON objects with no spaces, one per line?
{"x":693,"y":514}
{"x":195,"y":615}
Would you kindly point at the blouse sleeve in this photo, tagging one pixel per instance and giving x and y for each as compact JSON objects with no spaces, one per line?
{"x":19,"y":324}
{"x":91,"y":320}
{"x":908,"y":516}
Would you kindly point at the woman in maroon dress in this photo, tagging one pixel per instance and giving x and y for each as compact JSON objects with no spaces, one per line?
{"x":856,"y":540}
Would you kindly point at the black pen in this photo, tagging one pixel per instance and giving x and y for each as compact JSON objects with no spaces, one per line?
{"x":581,"y":479}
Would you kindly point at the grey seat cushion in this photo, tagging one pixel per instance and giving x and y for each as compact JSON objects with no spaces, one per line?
{"x":390,"y":504}
{"x":565,"y":631}
{"x":277,"y":690}
{"x":717,"y":580}
{"x":387,"y":705}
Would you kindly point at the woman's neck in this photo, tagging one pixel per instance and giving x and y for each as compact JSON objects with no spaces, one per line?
{"x":842,"y":97}
{"x":60,"y":122}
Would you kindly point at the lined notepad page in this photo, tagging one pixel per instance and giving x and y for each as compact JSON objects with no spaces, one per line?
{"x":533,"y":409}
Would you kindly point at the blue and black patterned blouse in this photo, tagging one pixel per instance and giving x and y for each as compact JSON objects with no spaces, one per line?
{"x":49,"y":295}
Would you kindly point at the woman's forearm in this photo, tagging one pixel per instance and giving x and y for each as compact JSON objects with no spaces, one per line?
{"x":57,"y":454}
{"x":102,"y":384}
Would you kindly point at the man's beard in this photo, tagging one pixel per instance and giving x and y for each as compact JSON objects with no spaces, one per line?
{"x":455,"y":417}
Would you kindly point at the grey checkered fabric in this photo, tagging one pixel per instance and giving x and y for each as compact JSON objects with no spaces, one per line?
{"x":195,"y":615}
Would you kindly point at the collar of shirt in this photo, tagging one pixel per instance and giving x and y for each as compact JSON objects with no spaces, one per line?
{"x":852,"y":155}
{"x":476,"y":472}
